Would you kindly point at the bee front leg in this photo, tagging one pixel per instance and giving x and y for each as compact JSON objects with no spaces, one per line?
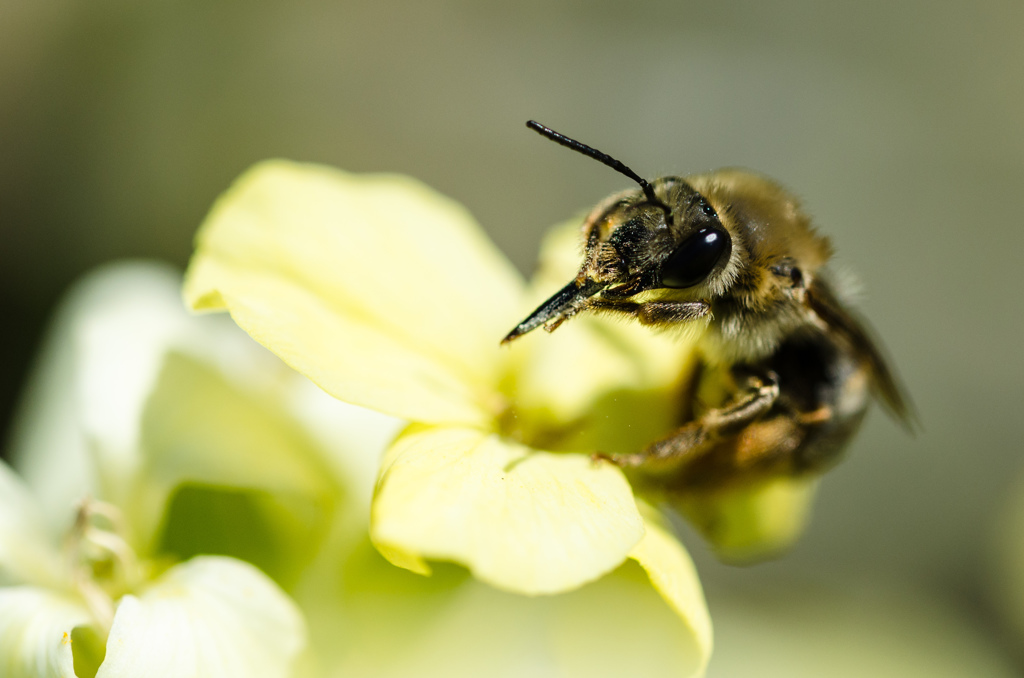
{"x":699,"y":436}
{"x":655,"y":312}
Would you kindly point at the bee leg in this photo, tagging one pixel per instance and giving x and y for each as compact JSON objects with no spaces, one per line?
{"x":655,"y":312}
{"x":699,"y":436}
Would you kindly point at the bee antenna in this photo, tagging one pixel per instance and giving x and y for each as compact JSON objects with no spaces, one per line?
{"x":604,"y":158}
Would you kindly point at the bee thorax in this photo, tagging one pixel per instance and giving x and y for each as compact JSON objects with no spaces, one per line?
{"x":737,"y":334}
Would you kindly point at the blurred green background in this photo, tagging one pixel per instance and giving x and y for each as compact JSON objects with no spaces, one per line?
{"x":900,"y":124}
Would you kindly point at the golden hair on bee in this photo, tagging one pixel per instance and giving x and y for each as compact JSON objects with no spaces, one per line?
{"x":734,"y":254}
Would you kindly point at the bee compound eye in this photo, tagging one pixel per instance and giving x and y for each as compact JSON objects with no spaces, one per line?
{"x":695,"y":258}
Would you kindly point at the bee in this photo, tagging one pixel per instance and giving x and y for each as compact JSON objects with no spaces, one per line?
{"x":784,"y":370}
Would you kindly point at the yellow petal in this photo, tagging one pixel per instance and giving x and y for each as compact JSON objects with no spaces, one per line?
{"x":526,"y":521}
{"x":594,"y":385}
{"x":457,"y":627}
{"x":381,"y":291}
{"x":35,"y":633}
{"x":207,"y":617}
{"x":751,"y":522}
{"x":673,"y":575}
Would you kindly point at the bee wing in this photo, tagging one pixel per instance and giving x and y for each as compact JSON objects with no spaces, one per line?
{"x":885,"y":384}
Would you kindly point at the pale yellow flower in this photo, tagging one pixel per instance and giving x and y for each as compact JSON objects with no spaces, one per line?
{"x":387,"y":295}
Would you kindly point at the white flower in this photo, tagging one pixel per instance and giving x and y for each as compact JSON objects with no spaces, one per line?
{"x":129,"y":419}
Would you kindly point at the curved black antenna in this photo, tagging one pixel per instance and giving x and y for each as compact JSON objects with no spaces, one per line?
{"x":616,"y":165}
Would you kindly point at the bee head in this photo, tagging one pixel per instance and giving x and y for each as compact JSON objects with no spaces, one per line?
{"x":730,"y":247}
{"x":634,"y":244}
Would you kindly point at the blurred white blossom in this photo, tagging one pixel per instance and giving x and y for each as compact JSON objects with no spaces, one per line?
{"x":124,"y":427}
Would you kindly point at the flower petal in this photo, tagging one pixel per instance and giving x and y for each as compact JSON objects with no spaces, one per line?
{"x":220,"y":459}
{"x":136,"y":398}
{"x":209,"y":616}
{"x":35,"y":633}
{"x":751,"y":522}
{"x":353,"y":440}
{"x":26,"y":554}
{"x":454,"y":627}
{"x":79,"y":431}
{"x":593,"y":386}
{"x":384,"y":293}
{"x":526,"y":521}
{"x":76,"y":433}
{"x":673,"y":575}
{"x":619,"y":626}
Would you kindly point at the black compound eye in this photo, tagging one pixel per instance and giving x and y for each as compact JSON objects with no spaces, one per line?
{"x":695,"y":258}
